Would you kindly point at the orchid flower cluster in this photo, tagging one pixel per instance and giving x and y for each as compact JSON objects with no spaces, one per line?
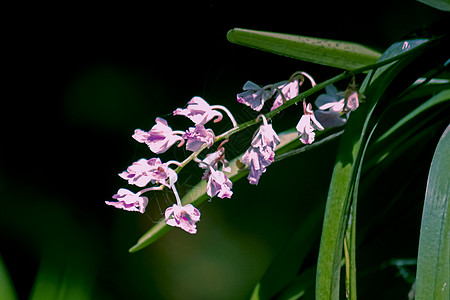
{"x":333,"y":110}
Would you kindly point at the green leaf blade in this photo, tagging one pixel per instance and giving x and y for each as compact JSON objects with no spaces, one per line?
{"x":432,"y":279}
{"x":7,"y":291}
{"x":338,"y":54}
{"x":351,"y":151}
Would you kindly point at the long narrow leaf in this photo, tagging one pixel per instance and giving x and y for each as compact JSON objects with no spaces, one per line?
{"x":433,"y":262}
{"x":339,"y":54}
{"x":7,"y":291}
{"x":437,"y":99}
{"x":348,"y":160}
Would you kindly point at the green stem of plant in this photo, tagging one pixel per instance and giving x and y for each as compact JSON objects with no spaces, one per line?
{"x":300,"y":97}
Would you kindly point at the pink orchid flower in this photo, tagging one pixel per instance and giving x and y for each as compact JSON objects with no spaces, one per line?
{"x":330,"y":113}
{"x":261,"y":152}
{"x":219,"y":184}
{"x":352,"y":97}
{"x":288,"y":91}
{"x":352,"y":102}
{"x":257,"y":160}
{"x":198,"y":136}
{"x":143,"y":171}
{"x":307,"y":125}
{"x":160,"y":137}
{"x":266,"y":137}
{"x":254,"y":95}
{"x":212,"y":160}
{"x":199,"y":111}
{"x":184,"y":217}
{"x":127,"y":200}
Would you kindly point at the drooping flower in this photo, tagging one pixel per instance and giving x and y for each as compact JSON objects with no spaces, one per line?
{"x":307,"y":125}
{"x":286,"y":91}
{"x":261,"y":152}
{"x":352,"y":97}
{"x":199,"y":111}
{"x":352,"y":102}
{"x":254,"y":95}
{"x":184,"y":217}
{"x":153,"y":170}
{"x":330,"y":113}
{"x":159,"y":138}
{"x":128,"y":200}
{"x":290,"y":88}
{"x":139,"y":173}
{"x":266,"y":137}
{"x":257,"y":160}
{"x":197,"y":136}
{"x":219,"y":184}
{"x":212,"y":160}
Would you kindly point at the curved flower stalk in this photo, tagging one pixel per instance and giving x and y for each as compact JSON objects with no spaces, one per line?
{"x":160,"y":137}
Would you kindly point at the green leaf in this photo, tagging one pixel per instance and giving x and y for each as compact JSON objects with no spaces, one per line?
{"x":7,"y":291}
{"x":302,"y":285}
{"x":438,"y":4}
{"x":411,"y":127}
{"x":433,"y":261}
{"x":338,"y":54}
{"x":351,"y":151}
{"x":435,"y":100}
{"x":287,"y":263}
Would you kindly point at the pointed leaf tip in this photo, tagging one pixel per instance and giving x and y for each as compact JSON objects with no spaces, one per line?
{"x":338,"y":54}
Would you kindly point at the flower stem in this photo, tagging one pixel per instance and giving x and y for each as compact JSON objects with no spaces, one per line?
{"x":153,"y":188}
{"x":316,"y":87}
{"x":230,"y":115}
{"x":174,"y":162}
{"x":178,"y":132}
{"x":176,"y":195}
{"x":313,"y":83}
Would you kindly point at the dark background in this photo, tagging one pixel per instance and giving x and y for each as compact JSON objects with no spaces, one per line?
{"x":80,"y":79}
